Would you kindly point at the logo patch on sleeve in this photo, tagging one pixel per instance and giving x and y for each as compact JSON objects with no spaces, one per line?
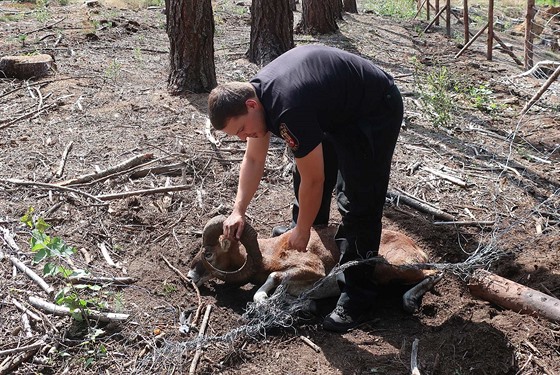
{"x":289,"y":137}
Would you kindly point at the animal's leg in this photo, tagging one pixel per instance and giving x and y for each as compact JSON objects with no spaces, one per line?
{"x":272,"y":281}
{"x":413,"y":298}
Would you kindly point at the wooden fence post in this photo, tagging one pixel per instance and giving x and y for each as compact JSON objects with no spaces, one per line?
{"x":448,"y":18}
{"x":466,"y":20}
{"x":490,"y":30}
{"x":530,"y":13}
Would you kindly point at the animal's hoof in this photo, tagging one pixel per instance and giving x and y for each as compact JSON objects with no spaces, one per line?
{"x":260,"y":297}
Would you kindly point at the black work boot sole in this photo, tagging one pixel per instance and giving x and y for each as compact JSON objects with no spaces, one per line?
{"x":277,"y":231}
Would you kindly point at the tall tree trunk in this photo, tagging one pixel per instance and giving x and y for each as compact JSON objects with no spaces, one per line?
{"x":318,"y":17}
{"x":293,"y":5}
{"x":272,"y":23}
{"x":338,"y":9}
{"x":350,"y":6}
{"x":190,"y":28}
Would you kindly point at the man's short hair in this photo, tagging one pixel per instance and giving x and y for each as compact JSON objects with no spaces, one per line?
{"x":228,"y":100}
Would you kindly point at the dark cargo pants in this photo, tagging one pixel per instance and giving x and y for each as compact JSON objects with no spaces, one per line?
{"x":358,"y":160}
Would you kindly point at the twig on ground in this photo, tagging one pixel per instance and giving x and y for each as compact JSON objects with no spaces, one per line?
{"x":25,"y":348}
{"x":420,"y":205}
{"x":311,"y":344}
{"x":26,"y":115}
{"x":126,"y":194}
{"x":102,"y":280}
{"x":414,"y":358}
{"x":542,"y":90}
{"x":52,"y":187}
{"x":32,"y":275}
{"x":45,"y":27}
{"x":127,"y":164}
{"x":25,"y":310}
{"x":476,"y":223}
{"x":192,"y":283}
{"x":445,"y":176}
{"x":26,"y":325}
{"x":67,"y":150}
{"x":65,"y":311}
{"x":201,"y":333}
{"x":106,"y":255}
{"x":208,"y":133}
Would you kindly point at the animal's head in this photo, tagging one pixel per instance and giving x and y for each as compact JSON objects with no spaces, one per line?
{"x":221,"y":258}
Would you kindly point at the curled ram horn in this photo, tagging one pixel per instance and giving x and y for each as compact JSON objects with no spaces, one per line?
{"x":210,"y":237}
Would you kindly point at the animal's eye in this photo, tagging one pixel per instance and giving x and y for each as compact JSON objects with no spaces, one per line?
{"x":208,"y":255}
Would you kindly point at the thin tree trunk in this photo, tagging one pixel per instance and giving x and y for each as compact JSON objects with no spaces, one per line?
{"x":318,"y":17}
{"x":350,"y":6}
{"x":272,"y":23}
{"x":190,"y":28}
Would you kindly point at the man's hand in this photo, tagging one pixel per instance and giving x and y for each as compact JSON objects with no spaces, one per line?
{"x":234,"y":225}
{"x":298,"y":239}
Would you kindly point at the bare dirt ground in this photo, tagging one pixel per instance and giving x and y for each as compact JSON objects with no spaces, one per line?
{"x":109,"y":99}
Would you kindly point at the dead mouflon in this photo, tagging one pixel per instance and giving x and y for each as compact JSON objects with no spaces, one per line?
{"x":269,"y":262}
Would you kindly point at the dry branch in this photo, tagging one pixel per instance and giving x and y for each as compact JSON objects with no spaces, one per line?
{"x":414,"y":358}
{"x":127,"y":164}
{"x":32,"y":275}
{"x":25,"y":310}
{"x":26,"y":115}
{"x":25,"y":348}
{"x":542,"y":90}
{"x":511,"y":295}
{"x":10,"y":364}
{"x":201,"y":333}
{"x":311,"y":344}
{"x":102,"y":280}
{"x":188,"y":281}
{"x":476,"y":223}
{"x":445,"y":176}
{"x":52,"y":187}
{"x":126,"y":194}
{"x":420,"y":205}
{"x":65,"y":311}
{"x":67,"y":150}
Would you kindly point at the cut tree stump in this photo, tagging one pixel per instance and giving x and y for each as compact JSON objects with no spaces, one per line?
{"x":514,"y":296}
{"x":25,"y":67}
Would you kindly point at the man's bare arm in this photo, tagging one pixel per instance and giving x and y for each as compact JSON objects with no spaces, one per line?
{"x":250,"y":174}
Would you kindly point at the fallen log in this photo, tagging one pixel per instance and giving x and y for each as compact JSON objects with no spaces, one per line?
{"x":25,"y":67}
{"x":513,"y":296}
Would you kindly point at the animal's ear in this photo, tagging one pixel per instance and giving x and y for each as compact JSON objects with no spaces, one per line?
{"x":224,"y":244}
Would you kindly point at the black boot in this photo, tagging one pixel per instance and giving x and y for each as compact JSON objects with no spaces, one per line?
{"x":277,"y":231}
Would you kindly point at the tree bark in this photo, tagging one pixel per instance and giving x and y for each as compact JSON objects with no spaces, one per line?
{"x":318,"y":17}
{"x":350,"y":6}
{"x":511,"y":295}
{"x":272,"y":23}
{"x":190,"y":28}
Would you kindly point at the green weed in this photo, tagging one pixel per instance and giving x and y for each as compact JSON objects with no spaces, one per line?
{"x":437,"y":90}
{"x":391,"y":8}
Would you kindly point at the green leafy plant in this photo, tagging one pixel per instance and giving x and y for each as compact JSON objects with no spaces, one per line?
{"x":391,"y":8}
{"x":436,"y":89}
{"x":113,"y":70}
{"x":482,"y":98}
{"x":46,"y":247}
{"x":53,"y":250}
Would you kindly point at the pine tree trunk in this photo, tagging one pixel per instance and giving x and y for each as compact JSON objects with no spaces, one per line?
{"x":350,"y":6}
{"x":272,"y":23}
{"x":190,"y":28}
{"x":318,"y":17}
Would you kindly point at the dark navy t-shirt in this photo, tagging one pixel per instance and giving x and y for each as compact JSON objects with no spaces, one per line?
{"x":314,"y":89}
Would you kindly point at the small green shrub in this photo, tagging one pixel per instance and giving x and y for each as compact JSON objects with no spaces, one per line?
{"x":391,"y":8}
{"x":437,"y":89}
